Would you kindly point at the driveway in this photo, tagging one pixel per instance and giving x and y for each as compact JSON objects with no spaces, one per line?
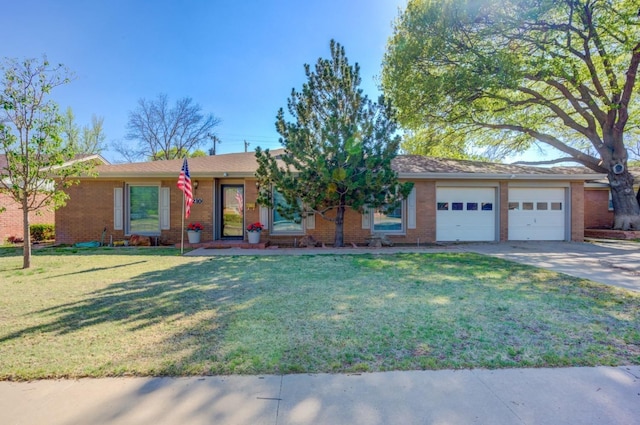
{"x":614,"y":263}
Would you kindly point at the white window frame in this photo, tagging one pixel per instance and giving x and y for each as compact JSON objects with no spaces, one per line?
{"x":127,"y":209}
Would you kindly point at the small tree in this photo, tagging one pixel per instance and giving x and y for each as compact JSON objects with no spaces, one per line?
{"x":163,"y":132}
{"x":337,"y":151}
{"x":31,"y":138}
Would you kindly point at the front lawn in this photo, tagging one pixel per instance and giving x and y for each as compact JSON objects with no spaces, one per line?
{"x":114,"y":312}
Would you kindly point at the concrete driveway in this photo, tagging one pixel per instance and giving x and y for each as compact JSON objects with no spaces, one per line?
{"x":614,"y":263}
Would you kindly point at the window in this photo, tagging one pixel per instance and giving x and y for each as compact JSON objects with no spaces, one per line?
{"x":487,"y":206}
{"x":457,"y":206}
{"x":391,"y":222}
{"x":514,"y":205}
{"x":472,"y":206}
{"x":143,"y":210}
{"x":527,"y":206}
{"x":443,"y":206}
{"x":279,"y":223}
{"x":542,"y":206}
{"x":556,"y":206}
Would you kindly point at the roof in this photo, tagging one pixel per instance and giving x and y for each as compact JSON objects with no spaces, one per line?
{"x":81,"y":157}
{"x":232,"y":164}
{"x":418,"y":166}
{"x":242,"y":165}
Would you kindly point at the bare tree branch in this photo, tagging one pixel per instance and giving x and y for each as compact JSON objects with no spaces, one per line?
{"x":163,"y":132}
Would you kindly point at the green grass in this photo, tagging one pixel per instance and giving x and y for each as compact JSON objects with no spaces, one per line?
{"x":113,"y":312}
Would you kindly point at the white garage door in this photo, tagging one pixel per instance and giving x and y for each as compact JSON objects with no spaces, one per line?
{"x":465,"y":214}
{"x":537,"y":214}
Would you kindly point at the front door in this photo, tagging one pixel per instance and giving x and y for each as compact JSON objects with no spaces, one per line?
{"x":232,"y":205}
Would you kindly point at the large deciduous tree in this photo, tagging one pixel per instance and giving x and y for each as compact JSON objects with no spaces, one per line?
{"x":40,"y":162}
{"x":511,"y":73}
{"x":337,"y":149}
{"x":164,"y":132}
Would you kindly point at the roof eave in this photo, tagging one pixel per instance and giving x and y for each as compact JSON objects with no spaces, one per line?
{"x":493,"y":176}
{"x":166,"y":176}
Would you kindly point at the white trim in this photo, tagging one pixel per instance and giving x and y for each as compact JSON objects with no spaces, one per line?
{"x":118,"y":208}
{"x":501,"y":176}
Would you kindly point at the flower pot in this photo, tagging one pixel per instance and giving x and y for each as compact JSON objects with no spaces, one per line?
{"x":254,"y":237}
{"x":194,"y":237}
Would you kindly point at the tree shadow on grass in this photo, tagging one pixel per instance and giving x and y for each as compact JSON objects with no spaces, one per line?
{"x":169,"y":301}
{"x":264,"y":315}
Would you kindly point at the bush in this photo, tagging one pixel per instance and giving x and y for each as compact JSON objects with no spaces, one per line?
{"x":42,"y":232}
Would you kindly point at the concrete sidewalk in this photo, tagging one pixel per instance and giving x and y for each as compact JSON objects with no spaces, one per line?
{"x":602,"y":396}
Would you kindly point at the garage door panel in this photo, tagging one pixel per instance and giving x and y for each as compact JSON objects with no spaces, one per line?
{"x":465,"y":214}
{"x":537,"y":214}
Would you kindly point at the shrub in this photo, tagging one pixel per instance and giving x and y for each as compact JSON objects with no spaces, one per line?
{"x":42,"y":232}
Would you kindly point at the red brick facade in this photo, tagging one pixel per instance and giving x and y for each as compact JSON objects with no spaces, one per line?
{"x":577,"y":211}
{"x":597,"y":213}
{"x":11,"y":220}
{"x":91,"y":208}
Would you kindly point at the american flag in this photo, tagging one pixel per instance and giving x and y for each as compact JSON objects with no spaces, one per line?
{"x":184,"y":184}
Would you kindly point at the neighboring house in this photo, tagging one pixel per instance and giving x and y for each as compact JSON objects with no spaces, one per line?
{"x":11,"y":219}
{"x":452,"y":200}
{"x":598,"y":205}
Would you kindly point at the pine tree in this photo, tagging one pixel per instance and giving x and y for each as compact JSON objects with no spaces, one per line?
{"x":337,"y":149}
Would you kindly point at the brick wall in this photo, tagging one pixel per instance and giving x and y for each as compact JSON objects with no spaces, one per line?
{"x":577,"y":211}
{"x":90,"y":209}
{"x":425,"y":231}
{"x":596,"y":213}
{"x":504,"y":211}
{"x":11,"y":220}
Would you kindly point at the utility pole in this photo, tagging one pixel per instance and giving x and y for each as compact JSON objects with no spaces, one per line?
{"x":215,"y":140}
{"x":246,"y":145}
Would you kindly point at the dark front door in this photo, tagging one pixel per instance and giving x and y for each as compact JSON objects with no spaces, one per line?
{"x":232,"y":205}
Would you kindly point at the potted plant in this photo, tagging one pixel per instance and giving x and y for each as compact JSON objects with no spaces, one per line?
{"x":193,"y":232}
{"x":253,"y":232}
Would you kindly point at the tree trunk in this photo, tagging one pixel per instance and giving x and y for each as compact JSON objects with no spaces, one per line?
{"x":339,"y":238}
{"x":26,"y":250}
{"x":625,"y":203}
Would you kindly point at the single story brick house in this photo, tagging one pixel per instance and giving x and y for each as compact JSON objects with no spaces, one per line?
{"x":452,"y":200}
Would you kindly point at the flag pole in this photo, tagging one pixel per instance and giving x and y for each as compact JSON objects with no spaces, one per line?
{"x":182,"y":227}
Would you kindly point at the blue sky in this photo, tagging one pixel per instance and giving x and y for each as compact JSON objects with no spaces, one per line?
{"x":238,"y":59}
